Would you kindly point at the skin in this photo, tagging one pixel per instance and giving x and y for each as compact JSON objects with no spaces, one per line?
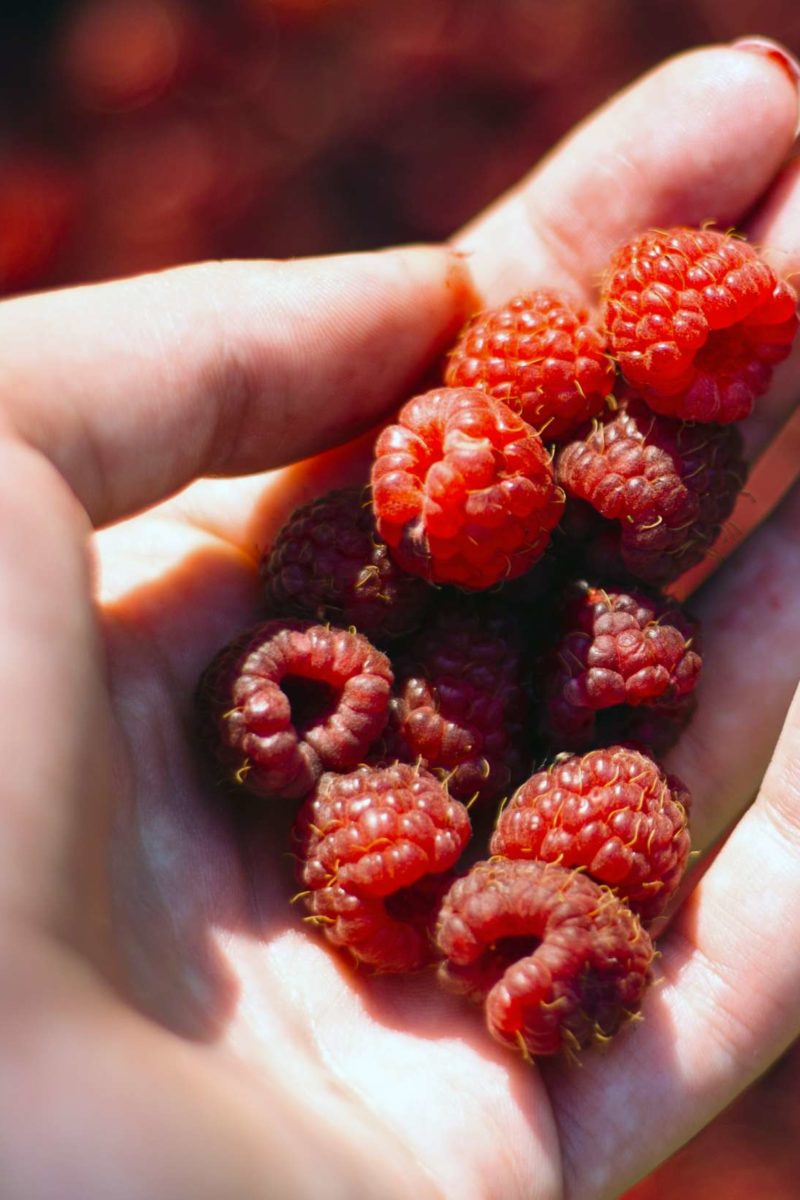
{"x":168,"y":1026}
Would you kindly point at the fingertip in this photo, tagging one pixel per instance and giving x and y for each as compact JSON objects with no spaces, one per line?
{"x":774,"y":52}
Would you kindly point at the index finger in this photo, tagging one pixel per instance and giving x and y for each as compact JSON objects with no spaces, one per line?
{"x":134,"y":388}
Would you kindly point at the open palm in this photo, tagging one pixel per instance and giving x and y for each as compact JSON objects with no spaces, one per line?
{"x":169,"y":1027}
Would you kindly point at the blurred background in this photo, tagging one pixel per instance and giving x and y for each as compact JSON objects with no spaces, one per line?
{"x":138,"y":134}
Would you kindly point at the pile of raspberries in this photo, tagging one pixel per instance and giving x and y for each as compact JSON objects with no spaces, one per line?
{"x":491,"y":603}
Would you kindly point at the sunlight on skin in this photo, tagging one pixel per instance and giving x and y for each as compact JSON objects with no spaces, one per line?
{"x":218,"y":955}
{"x":415,"y":1058}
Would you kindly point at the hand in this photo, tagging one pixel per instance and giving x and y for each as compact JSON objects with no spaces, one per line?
{"x":168,"y":1027}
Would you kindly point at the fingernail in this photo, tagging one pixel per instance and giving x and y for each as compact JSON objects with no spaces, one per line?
{"x":774,"y":50}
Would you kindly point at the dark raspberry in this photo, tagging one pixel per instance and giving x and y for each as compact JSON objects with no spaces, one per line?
{"x":328,"y":562}
{"x":376,"y":848}
{"x":616,"y":648}
{"x":460,"y":708}
{"x":668,"y":485}
{"x":463,"y":489}
{"x":542,"y":355}
{"x":697,"y":322}
{"x":613,"y":812}
{"x":290,"y":699}
{"x":560,"y":960}
{"x":653,"y":728}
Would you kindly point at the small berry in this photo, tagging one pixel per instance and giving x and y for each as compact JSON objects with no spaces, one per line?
{"x":460,"y":706}
{"x":290,"y":699}
{"x":697,"y":322}
{"x":542,"y":355}
{"x":463,"y":489}
{"x":328,"y":562}
{"x":558,"y":960}
{"x":617,"y":648}
{"x":667,"y":484}
{"x":613,"y":812}
{"x":375,"y":849}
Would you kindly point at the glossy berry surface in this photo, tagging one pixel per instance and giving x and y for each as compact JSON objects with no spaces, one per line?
{"x":541,"y":354}
{"x":463,"y":489}
{"x":697,"y":321}
{"x":290,"y":699}
{"x":613,"y":812}
{"x":667,"y":485}
{"x":557,"y":960}
{"x":617,"y":648}
{"x":374,"y":849}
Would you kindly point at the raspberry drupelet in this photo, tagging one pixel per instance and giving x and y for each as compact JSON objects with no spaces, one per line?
{"x":697,"y":322}
{"x":328,"y":562}
{"x":463,"y":489}
{"x":290,"y":699}
{"x":667,"y":485}
{"x":460,"y":706}
{"x":540,"y":353}
{"x":558,"y":960}
{"x":613,"y":812}
{"x":618,"y":649}
{"x":375,"y":850}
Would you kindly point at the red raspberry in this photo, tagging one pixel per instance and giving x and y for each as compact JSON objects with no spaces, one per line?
{"x":328,"y":562}
{"x":669,"y":485}
{"x":542,"y":355}
{"x":618,"y":648}
{"x":460,"y":706}
{"x":697,"y":321}
{"x":613,"y":812}
{"x":290,"y":699}
{"x":463,"y":489}
{"x":560,"y":960}
{"x":374,"y":848}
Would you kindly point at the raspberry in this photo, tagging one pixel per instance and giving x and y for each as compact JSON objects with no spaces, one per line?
{"x":654,"y":728}
{"x":542,"y":355}
{"x":463,"y":489}
{"x":289,"y":699}
{"x":618,"y":648}
{"x":376,"y":849}
{"x":611,"y":811}
{"x":560,"y":960}
{"x":328,"y":562}
{"x":669,"y":485}
{"x":460,"y":706}
{"x":697,"y":321}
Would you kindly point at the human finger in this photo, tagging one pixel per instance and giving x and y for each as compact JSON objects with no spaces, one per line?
{"x":135,"y":388}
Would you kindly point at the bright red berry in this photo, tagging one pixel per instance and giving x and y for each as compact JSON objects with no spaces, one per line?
{"x":328,"y":562}
{"x":460,"y":706}
{"x":617,"y":648}
{"x":697,"y":322}
{"x":541,"y":354}
{"x":667,"y":485}
{"x":558,"y":960}
{"x":290,"y":699}
{"x":374,"y":848}
{"x":613,"y":812}
{"x":463,"y":489}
